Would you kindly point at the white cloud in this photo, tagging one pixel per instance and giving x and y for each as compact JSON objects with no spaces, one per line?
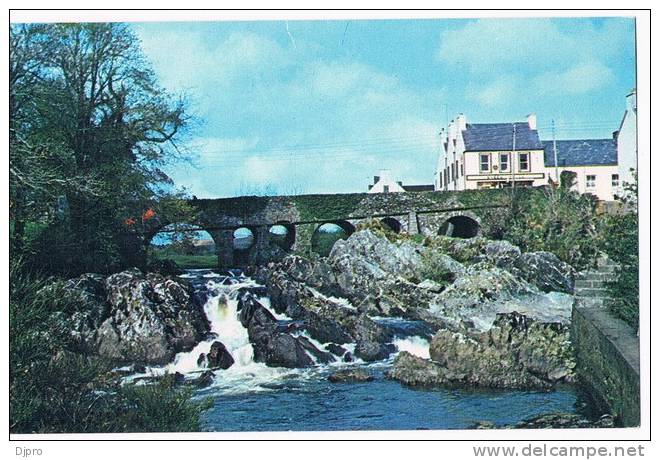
{"x":496,"y":93}
{"x":579,"y":79}
{"x":491,"y":46}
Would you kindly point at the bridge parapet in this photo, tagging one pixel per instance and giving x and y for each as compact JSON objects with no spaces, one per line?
{"x":420,"y":212}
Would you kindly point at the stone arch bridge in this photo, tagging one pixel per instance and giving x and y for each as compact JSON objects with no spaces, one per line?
{"x":463,"y":214}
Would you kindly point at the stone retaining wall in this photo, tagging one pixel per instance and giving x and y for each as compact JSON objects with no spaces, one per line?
{"x":606,"y":348}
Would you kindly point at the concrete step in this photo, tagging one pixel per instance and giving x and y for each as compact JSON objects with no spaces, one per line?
{"x":595,"y":276}
{"x":591,"y":292}
{"x":584,"y":283}
{"x":590,"y":301}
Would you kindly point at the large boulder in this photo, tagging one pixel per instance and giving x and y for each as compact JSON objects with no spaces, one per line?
{"x":414,"y":371}
{"x":273,"y":346}
{"x":546,"y":271}
{"x":501,"y":253}
{"x":479,"y":284}
{"x":326,"y":319}
{"x":320,"y":316}
{"x":372,"y":340}
{"x":137,"y":317}
{"x":89,"y":292}
{"x":517,"y":352}
{"x":401,"y":258}
{"x":218,"y":357}
{"x":384,"y":276}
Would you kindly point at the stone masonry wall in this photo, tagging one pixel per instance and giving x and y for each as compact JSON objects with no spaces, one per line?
{"x":606,"y":348}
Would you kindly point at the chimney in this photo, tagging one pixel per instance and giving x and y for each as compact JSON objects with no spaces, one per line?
{"x":461,"y":121}
{"x":531,"y":120}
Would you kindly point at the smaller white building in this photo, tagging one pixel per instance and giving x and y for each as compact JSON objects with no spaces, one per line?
{"x":384,"y":182}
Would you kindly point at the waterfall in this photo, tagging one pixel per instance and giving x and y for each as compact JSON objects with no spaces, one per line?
{"x":246,"y":375}
{"x":221,"y":309}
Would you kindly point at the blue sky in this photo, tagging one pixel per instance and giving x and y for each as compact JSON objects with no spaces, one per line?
{"x":321,"y":106}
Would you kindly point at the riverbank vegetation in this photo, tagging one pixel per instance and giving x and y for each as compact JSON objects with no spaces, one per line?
{"x":623,"y":249}
{"x":55,"y":388}
{"x":90,"y":130}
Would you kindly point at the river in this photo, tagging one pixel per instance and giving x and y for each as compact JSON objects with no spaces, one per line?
{"x":251,"y":396}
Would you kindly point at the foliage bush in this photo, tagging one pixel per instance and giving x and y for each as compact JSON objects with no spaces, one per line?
{"x":557,"y":220}
{"x":624,"y":250}
{"x":622,"y":246}
{"x":54,"y":389}
{"x":435,"y":268}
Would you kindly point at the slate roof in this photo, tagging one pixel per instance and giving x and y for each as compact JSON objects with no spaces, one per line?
{"x":418,"y":188}
{"x":581,"y":152}
{"x":499,"y":136}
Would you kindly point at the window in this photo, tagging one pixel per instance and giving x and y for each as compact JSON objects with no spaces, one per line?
{"x":504,"y":162}
{"x":462,"y":170}
{"x":615,"y":180}
{"x":457,"y":176}
{"x":591,"y":180}
{"x":440,"y":179}
{"x":453,"y":171}
{"x":523,"y":161}
{"x":484,"y":163}
{"x":386,"y":189}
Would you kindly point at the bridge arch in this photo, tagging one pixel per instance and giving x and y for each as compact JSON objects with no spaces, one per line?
{"x":328,"y":233}
{"x":242,"y":243}
{"x":188,"y":245}
{"x":460,"y":226}
{"x":392,"y":223}
{"x":283,"y":234}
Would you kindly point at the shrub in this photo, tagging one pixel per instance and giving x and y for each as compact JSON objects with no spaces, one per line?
{"x":557,"y":220}
{"x":159,"y":407}
{"x":621,"y":244}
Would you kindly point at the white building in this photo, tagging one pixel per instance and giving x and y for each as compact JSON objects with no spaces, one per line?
{"x":627,"y":139}
{"x":490,"y":155}
{"x":384,"y":182}
{"x":601,"y":165}
{"x":486,"y":156}
{"x":594,"y":161}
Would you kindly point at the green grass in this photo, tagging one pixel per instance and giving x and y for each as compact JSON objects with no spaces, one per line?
{"x":187,"y":261}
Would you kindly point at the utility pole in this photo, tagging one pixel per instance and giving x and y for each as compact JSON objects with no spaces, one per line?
{"x":513,"y":158}
{"x":554,"y":149}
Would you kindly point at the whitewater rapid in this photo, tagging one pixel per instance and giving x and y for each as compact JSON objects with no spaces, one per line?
{"x":246,"y":375}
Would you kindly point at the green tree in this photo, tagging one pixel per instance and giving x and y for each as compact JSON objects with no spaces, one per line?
{"x":88,"y":123}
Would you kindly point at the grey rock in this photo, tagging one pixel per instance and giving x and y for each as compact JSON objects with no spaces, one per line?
{"x":136,"y":317}
{"x":501,"y":253}
{"x":516,"y":353}
{"x":218,"y":357}
{"x":350,"y":375}
{"x":272,"y":347}
{"x":546,"y":271}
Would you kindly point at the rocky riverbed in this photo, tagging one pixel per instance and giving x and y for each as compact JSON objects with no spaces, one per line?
{"x":440,"y":315}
